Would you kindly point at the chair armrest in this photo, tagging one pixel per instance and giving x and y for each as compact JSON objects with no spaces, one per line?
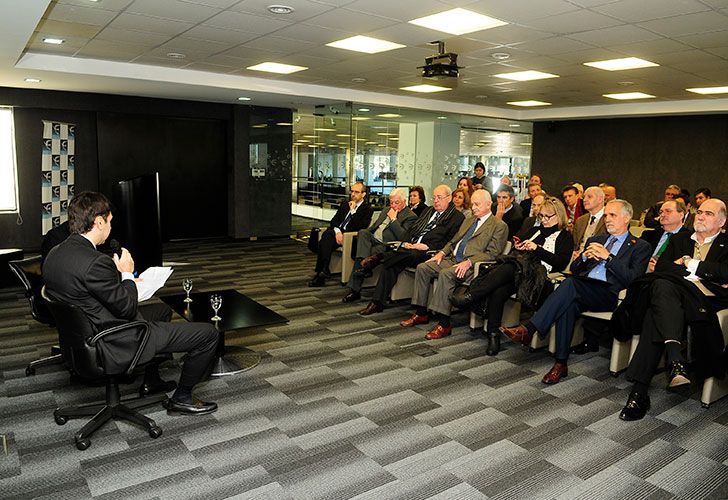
{"x":131,"y":325}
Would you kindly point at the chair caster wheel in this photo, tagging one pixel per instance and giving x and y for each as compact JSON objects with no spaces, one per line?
{"x":60,"y":419}
{"x":83,"y":444}
{"x":155,"y":432}
{"x":705,"y":405}
{"x":29,"y":371}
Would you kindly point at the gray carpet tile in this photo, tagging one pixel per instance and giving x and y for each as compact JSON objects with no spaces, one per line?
{"x":343,"y":406}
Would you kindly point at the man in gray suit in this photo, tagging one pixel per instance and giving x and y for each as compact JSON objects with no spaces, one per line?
{"x":480,"y":237}
{"x":391,"y":225}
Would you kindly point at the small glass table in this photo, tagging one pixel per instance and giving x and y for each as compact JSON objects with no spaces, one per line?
{"x":238,"y":312}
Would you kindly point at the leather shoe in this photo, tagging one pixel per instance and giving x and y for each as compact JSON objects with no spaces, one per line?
{"x":351,"y":297}
{"x":148,"y":388}
{"x":371,"y":308}
{"x":318,"y":281}
{"x":438,"y":332}
{"x":636,"y":407}
{"x":461,"y":298}
{"x":678,"y":375}
{"x":556,"y":373}
{"x":415,"y":319}
{"x":585,"y":347}
{"x":518,"y":334}
{"x":493,"y":343}
{"x":197,"y":407}
{"x":369,"y":263}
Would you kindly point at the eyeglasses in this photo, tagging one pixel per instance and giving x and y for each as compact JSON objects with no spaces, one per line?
{"x":440,"y":198}
{"x":545,"y":216}
{"x":355,"y":191}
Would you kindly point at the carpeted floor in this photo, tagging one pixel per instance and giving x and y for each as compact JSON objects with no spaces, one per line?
{"x":344,"y":406}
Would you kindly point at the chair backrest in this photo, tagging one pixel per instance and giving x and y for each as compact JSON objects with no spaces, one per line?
{"x":28,"y":272}
{"x":73,"y":330}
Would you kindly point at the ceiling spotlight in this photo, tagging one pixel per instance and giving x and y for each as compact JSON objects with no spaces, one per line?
{"x":280,"y":9}
{"x":243,"y":98}
{"x":500,"y":56}
{"x":53,"y":41}
{"x":481,"y":96}
{"x":363,"y":110}
{"x":33,"y":80}
{"x":359,"y":79}
{"x":625,"y":83}
{"x":176,"y":55}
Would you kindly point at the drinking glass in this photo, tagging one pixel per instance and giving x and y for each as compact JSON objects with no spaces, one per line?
{"x":187,"y":287}
{"x":216,"y":303}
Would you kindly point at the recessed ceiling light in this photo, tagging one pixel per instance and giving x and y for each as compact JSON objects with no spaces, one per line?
{"x":629,"y":95}
{"x":709,"y":90}
{"x":33,"y":80}
{"x":370,"y":142}
{"x":625,"y":83}
{"x":442,"y":117}
{"x":176,"y":55}
{"x":425,"y":89}
{"x":284,"y":124}
{"x":458,"y":21}
{"x":360,"y":43}
{"x":324,"y":129}
{"x":274,"y":67}
{"x":343,"y":135}
{"x":525,"y":144}
{"x":242,"y":98}
{"x":500,"y":56}
{"x":359,"y":118}
{"x":363,"y":110}
{"x":523,"y":76}
{"x":481,"y":96}
{"x":359,"y":79}
{"x":514,"y":125}
{"x":527,"y":104}
{"x":53,"y":41}
{"x":621,"y":64}
{"x":389,"y":115}
{"x":280,"y":9}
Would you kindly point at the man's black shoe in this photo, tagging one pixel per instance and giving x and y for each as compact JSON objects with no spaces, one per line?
{"x":197,"y":407}
{"x":461,"y":298}
{"x":148,"y":388}
{"x":319,"y":280}
{"x":351,"y":297}
{"x":493,"y":343}
{"x":678,"y":376}
{"x":636,"y":407}
{"x":585,"y":347}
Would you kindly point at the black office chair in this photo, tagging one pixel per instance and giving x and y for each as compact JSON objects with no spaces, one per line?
{"x":81,"y":355}
{"x":29,"y":273}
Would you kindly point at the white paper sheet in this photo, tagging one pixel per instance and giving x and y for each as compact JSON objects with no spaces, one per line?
{"x":152,"y":280}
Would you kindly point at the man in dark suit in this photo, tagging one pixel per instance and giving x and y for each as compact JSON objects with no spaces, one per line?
{"x":689,"y":281}
{"x":534,"y":188}
{"x":391,"y":225}
{"x":53,"y":237}
{"x":352,"y":215}
{"x":671,"y":223}
{"x":508,"y":211}
{"x":532,"y":220}
{"x":573,"y":204}
{"x":481,"y":237}
{"x":103,"y":288}
{"x":591,"y":223}
{"x":652,"y":216}
{"x":607,"y":265}
{"x":432,"y":230}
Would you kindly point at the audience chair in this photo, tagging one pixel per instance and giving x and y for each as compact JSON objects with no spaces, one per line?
{"x":28,"y":272}
{"x":80,"y":352}
{"x":341,"y":261}
{"x":637,"y":231}
{"x":715,"y":388}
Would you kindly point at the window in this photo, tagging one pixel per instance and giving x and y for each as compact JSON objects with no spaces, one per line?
{"x":8,"y":179}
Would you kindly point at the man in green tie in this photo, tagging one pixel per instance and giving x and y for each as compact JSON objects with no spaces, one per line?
{"x":672,"y":214}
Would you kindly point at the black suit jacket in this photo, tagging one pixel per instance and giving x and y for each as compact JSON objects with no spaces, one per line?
{"x":360,"y":220}
{"x":78,"y":274}
{"x":653,"y":237}
{"x":514,"y":219}
{"x":444,"y":230}
{"x":629,"y":263}
{"x":421,"y":207}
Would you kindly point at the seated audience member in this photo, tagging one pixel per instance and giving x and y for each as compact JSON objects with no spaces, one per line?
{"x":391,"y":225}
{"x":352,"y":215}
{"x":573,"y":204}
{"x":461,"y":200}
{"x":505,"y":180}
{"x":481,"y":237}
{"x":103,"y":288}
{"x":480,"y":179}
{"x":591,"y":223}
{"x":523,"y":271}
{"x":53,"y":237}
{"x":652,"y":215}
{"x":687,"y":287}
{"x":432,"y":230}
{"x":671,"y":223}
{"x":702,"y":194}
{"x":467,"y":184}
{"x":689,"y":215}
{"x":532,"y":220}
{"x":536,"y":179}
{"x":607,"y":265}
{"x":533,"y":190}
{"x":417,"y":200}
{"x":610,"y":192}
{"x":508,"y":211}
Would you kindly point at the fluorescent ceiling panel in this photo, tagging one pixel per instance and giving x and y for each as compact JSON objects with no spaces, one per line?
{"x":621,"y":64}
{"x":709,"y":90}
{"x":458,"y":22}
{"x":365,"y":44}
{"x":528,"y":104}
{"x":274,"y":67}
{"x":426,"y":89}
{"x":629,"y":95}
{"x":524,"y":76}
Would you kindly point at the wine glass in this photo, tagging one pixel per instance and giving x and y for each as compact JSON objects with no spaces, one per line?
{"x":187,"y":287}
{"x":216,"y":303}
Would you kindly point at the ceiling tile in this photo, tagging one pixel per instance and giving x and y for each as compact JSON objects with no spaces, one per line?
{"x":152,"y":24}
{"x":211,"y":68}
{"x":705,"y":40}
{"x":173,"y":9}
{"x":129,"y":36}
{"x":160,"y":61}
{"x":702,"y":22}
{"x":650,"y":50}
{"x":245,"y":22}
{"x":185,"y":45}
{"x":645,"y":10}
{"x":115,"y":5}
{"x":219,"y":35}
{"x":510,"y":34}
{"x":519,"y":11}
{"x":554,"y":45}
{"x":115,"y":51}
{"x":76,"y":14}
{"x":614,"y":35}
{"x":313,"y":34}
{"x":303,"y":9}
{"x":407,"y":34}
{"x":402,"y":10}
{"x":582,"y":56}
{"x":720,"y":52}
{"x":63,"y":28}
{"x":573,"y":22}
{"x":349,"y":20}
{"x":280,"y":45}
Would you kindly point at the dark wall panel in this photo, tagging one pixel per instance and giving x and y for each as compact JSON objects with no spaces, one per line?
{"x":191,"y":158}
{"x":638,"y":155}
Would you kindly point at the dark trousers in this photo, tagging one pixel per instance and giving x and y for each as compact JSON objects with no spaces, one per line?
{"x":198,"y":340}
{"x":326,"y":246}
{"x":566,"y":303}
{"x":393,"y":264}
{"x":496,"y":289}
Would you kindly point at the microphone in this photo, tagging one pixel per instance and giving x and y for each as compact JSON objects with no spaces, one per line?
{"x":115,"y":247}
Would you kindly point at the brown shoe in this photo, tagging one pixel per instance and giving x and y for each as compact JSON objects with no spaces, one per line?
{"x":556,"y":373}
{"x":369,"y":263}
{"x":371,"y":308}
{"x":415,"y":319}
{"x":438,"y":332}
{"x":518,"y":334}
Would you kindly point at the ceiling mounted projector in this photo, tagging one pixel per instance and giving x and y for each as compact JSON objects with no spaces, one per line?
{"x":441,"y":66}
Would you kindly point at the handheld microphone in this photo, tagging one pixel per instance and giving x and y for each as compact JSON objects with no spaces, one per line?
{"x":115,"y":247}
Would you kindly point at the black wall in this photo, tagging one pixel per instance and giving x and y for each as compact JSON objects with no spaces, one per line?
{"x":640,"y":156}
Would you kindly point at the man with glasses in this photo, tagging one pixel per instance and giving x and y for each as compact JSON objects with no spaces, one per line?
{"x":532,"y":220}
{"x":688,"y":287}
{"x":591,"y":223}
{"x":672,"y":214}
{"x":352,"y":215}
{"x":652,"y":215}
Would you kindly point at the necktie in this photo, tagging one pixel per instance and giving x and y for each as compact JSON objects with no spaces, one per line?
{"x":429,"y":227}
{"x":663,"y":246}
{"x":346,"y":220}
{"x":464,"y":241}
{"x":593,"y":218}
